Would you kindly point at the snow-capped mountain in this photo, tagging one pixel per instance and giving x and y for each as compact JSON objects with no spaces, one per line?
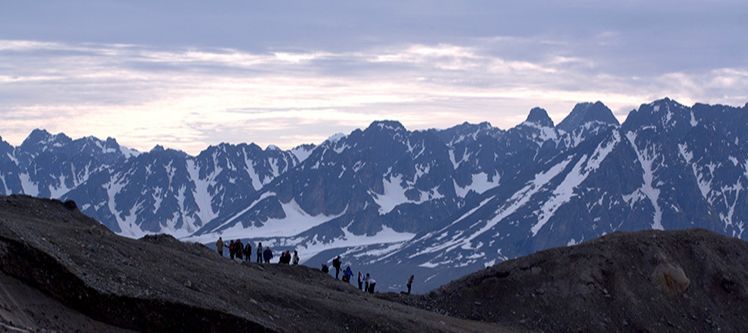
{"x":169,"y":191}
{"x":438,"y":203}
{"x":667,"y":167}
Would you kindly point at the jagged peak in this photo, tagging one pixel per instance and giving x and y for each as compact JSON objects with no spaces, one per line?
{"x":667,"y":102}
{"x":390,"y":125}
{"x":43,"y":137}
{"x":539,"y":116}
{"x":587,"y":112}
{"x":335,"y":137}
{"x":303,"y":151}
{"x":157,"y":148}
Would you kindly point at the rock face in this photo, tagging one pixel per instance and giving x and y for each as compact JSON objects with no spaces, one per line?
{"x":656,"y":281}
{"x":93,"y":280}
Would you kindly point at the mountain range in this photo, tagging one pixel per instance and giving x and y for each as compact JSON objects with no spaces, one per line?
{"x":436,"y":203}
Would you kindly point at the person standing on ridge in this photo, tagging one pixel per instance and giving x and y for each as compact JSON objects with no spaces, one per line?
{"x":259,"y":253}
{"x":248,"y":252}
{"x":360,"y":281}
{"x":232,"y":249}
{"x":410,"y":282}
{"x":239,"y":250}
{"x":295,"y":258}
{"x":372,"y":284}
{"x":366,"y":283}
{"x":336,"y":265}
{"x":219,"y":246}
{"x":267,"y":254}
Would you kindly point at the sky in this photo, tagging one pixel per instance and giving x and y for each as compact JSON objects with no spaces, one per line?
{"x":189,"y":74}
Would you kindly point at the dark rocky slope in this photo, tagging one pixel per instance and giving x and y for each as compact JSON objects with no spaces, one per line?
{"x":649,"y":281}
{"x":94,"y":280}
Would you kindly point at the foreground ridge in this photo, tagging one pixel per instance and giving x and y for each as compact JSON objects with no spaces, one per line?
{"x":687,"y":280}
{"x":160,"y":284}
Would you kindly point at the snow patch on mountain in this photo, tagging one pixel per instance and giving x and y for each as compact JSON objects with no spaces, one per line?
{"x":394,"y":194}
{"x":302,"y":152}
{"x":29,"y":186}
{"x":704,"y":185}
{"x":479,"y":183}
{"x":126,"y":223}
{"x":60,"y":189}
{"x":564,"y":192}
{"x":296,"y":221}
{"x":646,"y":158}
{"x":542,"y":133}
{"x":386,"y":235}
{"x":201,"y":193}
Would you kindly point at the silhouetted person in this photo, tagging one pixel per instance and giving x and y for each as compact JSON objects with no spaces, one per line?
{"x":239,"y":249}
{"x":410,"y":282}
{"x":267,"y":254}
{"x":295,"y":258}
{"x":232,"y":250}
{"x":219,"y":246}
{"x":366,"y":282}
{"x":360,"y":281}
{"x":285,"y":258}
{"x":259,"y":253}
{"x":248,"y":252}
{"x":325,"y":269}
{"x":336,"y":265}
{"x":372,"y":284}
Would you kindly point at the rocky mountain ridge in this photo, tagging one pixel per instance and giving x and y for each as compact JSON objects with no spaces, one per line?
{"x":438,"y":203}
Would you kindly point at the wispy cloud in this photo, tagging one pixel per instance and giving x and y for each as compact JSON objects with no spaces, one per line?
{"x":188,"y":98}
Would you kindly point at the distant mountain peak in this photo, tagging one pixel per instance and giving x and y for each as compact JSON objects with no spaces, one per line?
{"x":539,"y":116}
{"x":335,"y":137}
{"x":389,"y":125}
{"x":587,"y":112}
{"x":666,"y":102}
{"x":41,"y":137}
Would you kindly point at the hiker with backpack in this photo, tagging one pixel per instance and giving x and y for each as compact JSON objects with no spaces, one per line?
{"x":336,"y":264}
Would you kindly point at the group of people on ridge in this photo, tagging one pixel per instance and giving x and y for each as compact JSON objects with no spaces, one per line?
{"x":243,"y":252}
{"x":237,"y":250}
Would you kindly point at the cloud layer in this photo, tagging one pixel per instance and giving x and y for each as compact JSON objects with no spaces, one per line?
{"x":190,"y":95}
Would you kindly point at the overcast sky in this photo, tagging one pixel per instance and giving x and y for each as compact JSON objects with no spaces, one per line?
{"x":188,"y":74}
